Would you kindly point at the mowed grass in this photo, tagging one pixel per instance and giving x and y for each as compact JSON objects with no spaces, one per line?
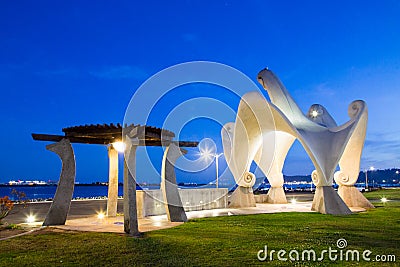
{"x":220,"y":241}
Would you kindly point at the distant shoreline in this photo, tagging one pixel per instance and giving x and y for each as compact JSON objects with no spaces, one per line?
{"x":44,"y":185}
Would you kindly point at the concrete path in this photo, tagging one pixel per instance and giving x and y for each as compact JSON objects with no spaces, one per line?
{"x":151,"y":223}
{"x":83,"y":214}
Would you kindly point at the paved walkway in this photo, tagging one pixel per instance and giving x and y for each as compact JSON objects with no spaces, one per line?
{"x":116,"y":225}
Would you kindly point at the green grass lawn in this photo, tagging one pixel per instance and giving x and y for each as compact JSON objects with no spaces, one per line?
{"x":220,"y":241}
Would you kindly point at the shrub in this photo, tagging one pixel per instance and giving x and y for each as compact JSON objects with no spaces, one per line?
{"x":6,"y":205}
{"x":20,"y":197}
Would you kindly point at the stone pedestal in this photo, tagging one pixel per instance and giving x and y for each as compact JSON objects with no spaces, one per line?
{"x":354,"y":198}
{"x":242,"y":197}
{"x":327,"y":201}
{"x":112,"y":200}
{"x":276,"y":195}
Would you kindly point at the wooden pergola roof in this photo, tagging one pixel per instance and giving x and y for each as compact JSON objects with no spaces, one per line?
{"x":105,"y":134}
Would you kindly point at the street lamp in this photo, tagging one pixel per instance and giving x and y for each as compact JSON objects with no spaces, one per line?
{"x":216,"y":167}
{"x":207,"y":154}
{"x":366,"y":177}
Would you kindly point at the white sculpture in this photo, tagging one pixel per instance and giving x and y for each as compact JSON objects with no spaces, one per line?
{"x":350,"y":166}
{"x":350,"y":161}
{"x":264,"y":132}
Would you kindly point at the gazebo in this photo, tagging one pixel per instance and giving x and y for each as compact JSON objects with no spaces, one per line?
{"x":112,"y":135}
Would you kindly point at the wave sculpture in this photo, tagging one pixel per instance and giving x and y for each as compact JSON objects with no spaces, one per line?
{"x":264,"y":132}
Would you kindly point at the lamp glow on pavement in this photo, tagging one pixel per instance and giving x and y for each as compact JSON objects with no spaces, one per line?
{"x":384,"y":200}
{"x":30,"y":218}
{"x":293,"y":201}
{"x":100,"y":215}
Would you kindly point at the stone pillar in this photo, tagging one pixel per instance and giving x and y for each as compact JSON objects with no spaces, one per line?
{"x":169,"y":188}
{"x":131,"y":139}
{"x":112,"y":200}
{"x":59,"y":208}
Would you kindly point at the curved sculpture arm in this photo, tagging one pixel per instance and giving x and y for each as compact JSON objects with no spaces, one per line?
{"x":243,"y":138}
{"x":355,"y":110}
{"x":271,"y":159}
{"x":319,"y":114}
{"x":282,"y":123}
{"x":281,"y":98}
{"x":350,"y":161}
{"x":227,"y":141}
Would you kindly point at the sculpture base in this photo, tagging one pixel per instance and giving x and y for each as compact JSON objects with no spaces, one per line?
{"x":327,"y":201}
{"x":354,"y":198}
{"x":242,"y":197}
{"x":276,"y":195}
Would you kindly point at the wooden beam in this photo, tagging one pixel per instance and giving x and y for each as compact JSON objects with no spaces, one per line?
{"x":106,"y":141}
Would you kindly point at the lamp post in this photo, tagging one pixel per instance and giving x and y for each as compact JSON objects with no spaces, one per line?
{"x":366,"y":177}
{"x":207,"y":154}
{"x":216,"y":167}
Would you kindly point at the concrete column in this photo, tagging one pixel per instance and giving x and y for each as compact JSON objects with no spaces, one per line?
{"x":59,"y":208}
{"x":130,"y":206}
{"x":112,"y":200}
{"x":169,"y":188}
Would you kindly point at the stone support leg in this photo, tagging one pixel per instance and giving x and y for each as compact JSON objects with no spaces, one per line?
{"x":169,"y":188}
{"x":112,"y":200}
{"x":58,"y":211}
{"x":327,"y":201}
{"x":354,"y":198}
{"x":242,"y":197}
{"x":276,"y":195}
{"x":130,"y":208}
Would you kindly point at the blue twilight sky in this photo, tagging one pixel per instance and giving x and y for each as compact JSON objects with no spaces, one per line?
{"x":66,"y":63}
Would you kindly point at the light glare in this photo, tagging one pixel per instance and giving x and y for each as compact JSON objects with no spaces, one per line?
{"x":119,"y":146}
{"x":30,"y":219}
{"x":100,"y":215}
{"x":314,"y":113}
